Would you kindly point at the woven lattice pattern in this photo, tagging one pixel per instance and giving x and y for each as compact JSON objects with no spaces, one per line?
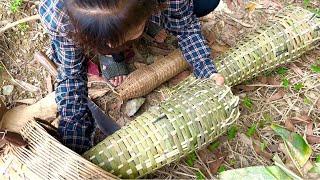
{"x":46,"y":158}
{"x":287,"y":36}
{"x":291,"y":33}
{"x":153,"y":76}
{"x":196,"y":114}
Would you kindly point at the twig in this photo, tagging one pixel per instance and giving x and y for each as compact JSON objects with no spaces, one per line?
{"x":10,"y":25}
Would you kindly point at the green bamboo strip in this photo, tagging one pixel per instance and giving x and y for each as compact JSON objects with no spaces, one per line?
{"x":181,"y":124}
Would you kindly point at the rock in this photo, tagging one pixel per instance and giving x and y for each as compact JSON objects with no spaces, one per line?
{"x":133,"y":106}
{"x":7,"y":90}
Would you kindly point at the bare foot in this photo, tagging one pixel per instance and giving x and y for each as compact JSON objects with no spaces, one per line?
{"x":117,"y":81}
{"x":161,"y":36}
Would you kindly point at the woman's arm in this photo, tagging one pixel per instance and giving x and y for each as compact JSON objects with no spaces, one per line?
{"x":76,"y":124}
{"x":180,"y":20}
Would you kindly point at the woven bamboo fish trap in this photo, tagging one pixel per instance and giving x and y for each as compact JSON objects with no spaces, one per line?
{"x":46,"y":158}
{"x":197,"y":113}
{"x":287,"y":36}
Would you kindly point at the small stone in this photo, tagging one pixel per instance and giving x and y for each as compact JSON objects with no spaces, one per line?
{"x":133,"y":106}
{"x":7,"y":90}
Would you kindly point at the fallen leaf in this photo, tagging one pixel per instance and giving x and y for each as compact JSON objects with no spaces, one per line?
{"x":273,"y":81}
{"x":230,"y":5}
{"x":297,"y":147}
{"x":245,"y":140}
{"x":220,"y":48}
{"x":309,"y":129}
{"x":303,"y":118}
{"x":255,"y":172}
{"x":296,"y":69}
{"x":276,"y":96}
{"x":263,"y":79}
{"x":96,"y":93}
{"x":251,"y":7}
{"x":214,"y":166}
{"x":258,"y":150}
{"x":289,"y":125}
{"x":313,"y":139}
{"x":318,"y":104}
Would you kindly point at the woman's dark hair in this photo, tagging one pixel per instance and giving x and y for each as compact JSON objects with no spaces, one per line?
{"x":98,"y":23}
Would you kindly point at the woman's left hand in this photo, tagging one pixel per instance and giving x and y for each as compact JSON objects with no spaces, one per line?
{"x":218,"y":78}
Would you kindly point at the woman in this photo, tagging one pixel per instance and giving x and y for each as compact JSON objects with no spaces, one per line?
{"x":106,"y":26}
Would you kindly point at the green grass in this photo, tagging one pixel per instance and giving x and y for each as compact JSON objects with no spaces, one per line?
{"x":232,"y":132}
{"x":318,"y":158}
{"x":23,"y":27}
{"x":200,"y":176}
{"x":191,"y":158}
{"x":252,"y":129}
{"x":15,"y":5}
{"x":247,"y":102}
{"x":222,"y":168}
{"x":315,"y":68}
{"x":298,"y":86}
{"x":213,"y":146}
{"x":282,"y":70}
{"x":285,"y":83}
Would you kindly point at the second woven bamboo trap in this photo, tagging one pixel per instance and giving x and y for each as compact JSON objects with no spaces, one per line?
{"x":196,"y":114}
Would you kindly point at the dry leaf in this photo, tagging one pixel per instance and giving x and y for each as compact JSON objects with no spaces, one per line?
{"x":251,"y":7}
{"x":304,"y":119}
{"x":296,"y":69}
{"x":220,"y":48}
{"x":313,"y":139}
{"x":309,"y":129}
{"x":318,"y":104}
{"x":258,"y":150}
{"x":277,"y":96}
{"x":289,"y":125}
{"x":262,"y":79}
{"x":214,"y":166}
{"x":273,"y":81}
{"x":230,"y":5}
{"x":96,"y":93}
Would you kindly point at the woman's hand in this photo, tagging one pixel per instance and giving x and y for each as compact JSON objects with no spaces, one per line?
{"x":218,"y":78}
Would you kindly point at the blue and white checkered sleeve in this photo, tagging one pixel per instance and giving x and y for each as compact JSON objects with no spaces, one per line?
{"x":180,"y":20}
{"x":76,"y":124}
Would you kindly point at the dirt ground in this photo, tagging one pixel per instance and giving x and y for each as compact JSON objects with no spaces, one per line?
{"x":264,"y":99}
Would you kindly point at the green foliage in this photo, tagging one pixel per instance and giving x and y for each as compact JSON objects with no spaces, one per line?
{"x":213,"y":146}
{"x":318,"y":158}
{"x":306,"y":2}
{"x":222,"y":168}
{"x":315,"y":68}
{"x":298,"y":86}
{"x":232,"y":132}
{"x":200,"y":176}
{"x":282,"y":70}
{"x":15,"y":5}
{"x":191,"y":158}
{"x":247,"y":102}
{"x":252,"y":129}
{"x":285,"y":83}
{"x":23,"y":27}
{"x":306,"y":100}
{"x":263,"y":146}
{"x":267,"y":117}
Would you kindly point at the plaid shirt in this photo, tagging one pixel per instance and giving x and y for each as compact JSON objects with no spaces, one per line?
{"x":76,"y":123}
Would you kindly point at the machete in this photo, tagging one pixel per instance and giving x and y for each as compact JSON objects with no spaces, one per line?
{"x":105,"y":123}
